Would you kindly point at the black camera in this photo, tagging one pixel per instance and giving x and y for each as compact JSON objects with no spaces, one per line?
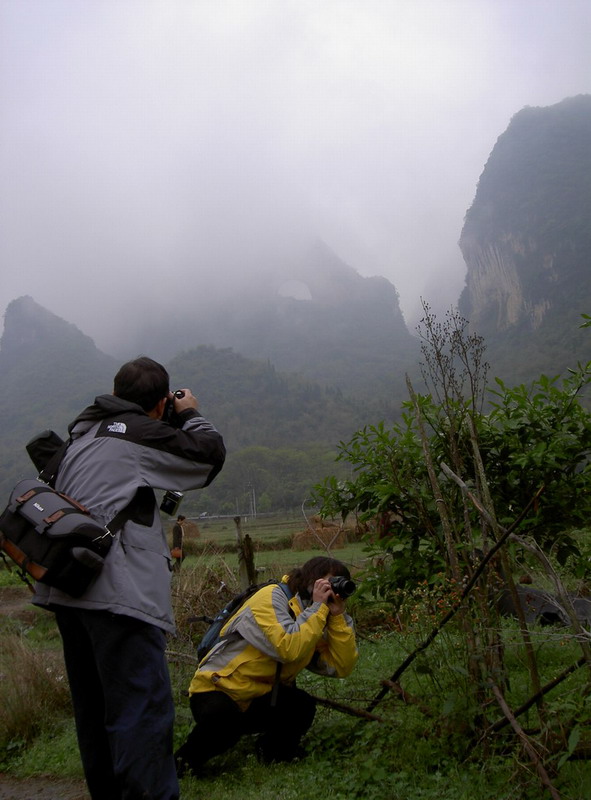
{"x":171,"y":502}
{"x":341,"y":586}
{"x":168,"y":414}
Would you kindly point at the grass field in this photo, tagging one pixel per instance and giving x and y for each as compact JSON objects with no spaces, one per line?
{"x":265,"y":530}
{"x":400,"y":757}
{"x":271,"y":539}
{"x":420,"y":749}
{"x":272,"y":562}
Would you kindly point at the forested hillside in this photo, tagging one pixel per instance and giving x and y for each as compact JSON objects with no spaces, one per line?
{"x":254,"y":404}
{"x":281,"y":430}
{"x":49,"y":370}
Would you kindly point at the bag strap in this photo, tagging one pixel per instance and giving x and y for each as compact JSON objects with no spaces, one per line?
{"x":121,"y":518}
{"x":49,"y":472}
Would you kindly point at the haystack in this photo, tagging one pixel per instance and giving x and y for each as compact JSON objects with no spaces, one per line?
{"x":319,"y":538}
{"x":191,"y":529}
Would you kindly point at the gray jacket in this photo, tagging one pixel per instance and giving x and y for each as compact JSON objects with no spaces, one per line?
{"x":117,"y":450}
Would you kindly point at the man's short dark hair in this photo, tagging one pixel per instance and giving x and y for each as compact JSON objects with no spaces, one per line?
{"x":142,"y":381}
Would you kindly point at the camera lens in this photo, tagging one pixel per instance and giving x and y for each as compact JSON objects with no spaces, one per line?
{"x":342,"y":586}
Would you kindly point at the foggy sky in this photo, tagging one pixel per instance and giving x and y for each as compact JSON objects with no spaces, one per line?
{"x":157,"y":151}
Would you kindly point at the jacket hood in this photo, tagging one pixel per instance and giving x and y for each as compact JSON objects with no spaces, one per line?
{"x":105,"y":405}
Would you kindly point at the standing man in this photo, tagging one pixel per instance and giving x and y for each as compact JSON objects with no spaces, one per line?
{"x":114,"y":635}
{"x":177,"y":542}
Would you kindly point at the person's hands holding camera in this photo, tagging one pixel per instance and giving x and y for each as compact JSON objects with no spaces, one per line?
{"x":323,"y":593}
{"x":182,"y":400}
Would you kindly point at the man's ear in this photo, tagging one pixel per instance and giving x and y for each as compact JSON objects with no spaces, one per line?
{"x":158,"y":410}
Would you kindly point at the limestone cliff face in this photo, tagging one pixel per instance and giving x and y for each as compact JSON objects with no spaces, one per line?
{"x":526,"y":239}
{"x":495,"y":298}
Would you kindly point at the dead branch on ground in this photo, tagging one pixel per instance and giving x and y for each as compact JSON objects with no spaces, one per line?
{"x":527,"y":745}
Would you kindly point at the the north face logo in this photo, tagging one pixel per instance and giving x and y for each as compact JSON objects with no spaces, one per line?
{"x":117,"y":427}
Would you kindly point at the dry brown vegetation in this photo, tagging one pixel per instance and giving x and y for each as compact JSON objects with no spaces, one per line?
{"x":33,"y":686}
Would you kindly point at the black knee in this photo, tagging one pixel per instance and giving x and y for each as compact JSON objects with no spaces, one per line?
{"x":218,"y":726}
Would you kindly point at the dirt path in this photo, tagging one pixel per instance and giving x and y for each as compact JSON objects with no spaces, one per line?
{"x":15,"y":602}
{"x":41,"y":789}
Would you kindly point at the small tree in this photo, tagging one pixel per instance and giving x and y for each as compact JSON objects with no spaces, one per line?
{"x":452,"y":480}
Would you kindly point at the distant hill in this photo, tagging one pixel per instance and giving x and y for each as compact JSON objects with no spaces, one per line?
{"x":291,"y":362}
{"x":308,"y":313}
{"x":526,"y":242}
{"x":50,"y":370}
{"x":254,"y":404}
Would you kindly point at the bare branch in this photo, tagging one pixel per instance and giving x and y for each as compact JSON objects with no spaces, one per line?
{"x":407,"y":698}
{"x":181,"y":658}
{"x":501,"y":723}
{"x":529,"y":748}
{"x":457,"y":605}
{"x":345,"y":709}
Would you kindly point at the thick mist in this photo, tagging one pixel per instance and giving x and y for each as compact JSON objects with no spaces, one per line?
{"x":158,"y":155}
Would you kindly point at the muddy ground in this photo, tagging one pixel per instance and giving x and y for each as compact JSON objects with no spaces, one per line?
{"x":41,"y":789}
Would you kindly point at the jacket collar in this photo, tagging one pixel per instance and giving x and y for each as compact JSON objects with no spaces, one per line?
{"x":105,"y":405}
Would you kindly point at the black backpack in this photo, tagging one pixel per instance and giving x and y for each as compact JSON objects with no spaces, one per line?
{"x":212,"y":635}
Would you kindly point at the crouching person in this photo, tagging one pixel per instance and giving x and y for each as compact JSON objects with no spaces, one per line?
{"x":246,"y":683}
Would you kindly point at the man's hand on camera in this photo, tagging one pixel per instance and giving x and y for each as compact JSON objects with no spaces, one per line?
{"x":183,"y":403}
{"x":323,"y":593}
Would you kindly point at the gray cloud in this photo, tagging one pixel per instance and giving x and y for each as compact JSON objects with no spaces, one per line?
{"x":149,"y":139}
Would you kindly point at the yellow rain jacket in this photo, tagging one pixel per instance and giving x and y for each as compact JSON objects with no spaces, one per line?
{"x":269,"y":629}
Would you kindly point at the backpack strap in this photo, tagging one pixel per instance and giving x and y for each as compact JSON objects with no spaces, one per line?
{"x":286,"y":589}
{"x":49,"y":472}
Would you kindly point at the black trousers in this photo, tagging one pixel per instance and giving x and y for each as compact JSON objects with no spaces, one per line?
{"x":123,"y":704}
{"x":220,"y":723}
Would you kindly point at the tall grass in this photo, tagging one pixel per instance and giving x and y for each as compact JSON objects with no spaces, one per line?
{"x":33,"y":691}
